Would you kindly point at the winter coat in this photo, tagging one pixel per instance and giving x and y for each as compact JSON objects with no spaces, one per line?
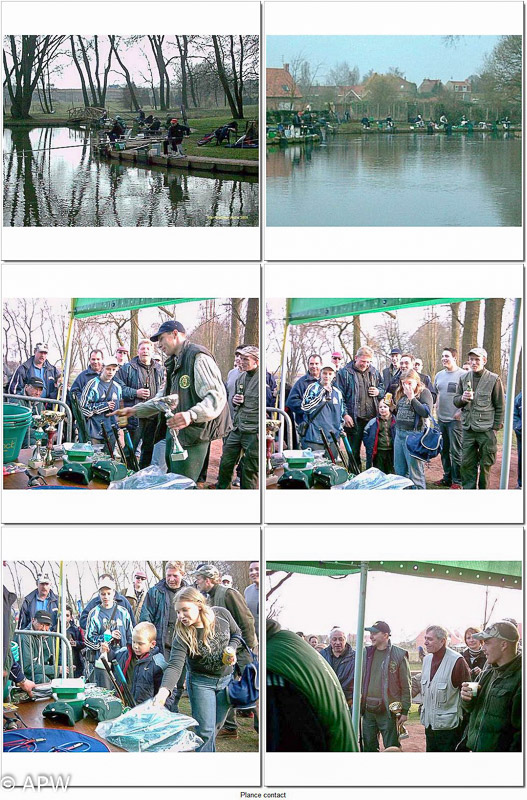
{"x":395,"y":677}
{"x":26,"y":370}
{"x":94,"y":405}
{"x":147,"y":674}
{"x":29,"y":607}
{"x":347,"y":381}
{"x":156,"y":609}
{"x":296,"y":395}
{"x":330,"y":418}
{"x":517,"y":419}
{"x":370,"y":437}
{"x":120,"y":650}
{"x":495,"y":721}
{"x":129,"y":377}
{"x":344,"y":668}
{"x":95,"y":601}
{"x":81,"y":380}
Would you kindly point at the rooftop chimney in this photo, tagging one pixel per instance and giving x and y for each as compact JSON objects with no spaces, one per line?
{"x":286,"y":67}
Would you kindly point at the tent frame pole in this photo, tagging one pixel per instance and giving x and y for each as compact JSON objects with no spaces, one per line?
{"x":281,"y":390}
{"x":67,"y":366}
{"x":509,"y":402}
{"x":359,"y":650}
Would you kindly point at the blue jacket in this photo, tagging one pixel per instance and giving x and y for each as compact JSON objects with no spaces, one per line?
{"x":370,"y":437}
{"x":270,"y":388}
{"x":81,"y":380}
{"x":94,"y":405}
{"x":96,"y":626}
{"x":120,"y":599}
{"x":347,"y":381}
{"x":517,"y":419}
{"x":26,"y":370}
{"x":156,"y":609}
{"x":129,"y":377}
{"x":29,"y":606}
{"x":296,"y":395}
{"x":330,"y":418}
{"x":147,"y":675}
{"x":343,"y":667}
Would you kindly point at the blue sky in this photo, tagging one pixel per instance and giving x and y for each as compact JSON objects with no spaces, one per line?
{"x":417,"y":57}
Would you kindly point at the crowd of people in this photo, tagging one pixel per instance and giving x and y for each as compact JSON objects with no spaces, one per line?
{"x":168,"y":638}
{"x":468,"y":701}
{"x":114,"y":388}
{"x":378,"y":411}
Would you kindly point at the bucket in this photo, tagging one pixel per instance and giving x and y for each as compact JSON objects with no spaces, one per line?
{"x":17,"y":421}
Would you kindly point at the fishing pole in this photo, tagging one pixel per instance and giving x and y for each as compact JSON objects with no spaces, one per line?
{"x":115,"y":430}
{"x":326,"y":445}
{"x":343,"y":458}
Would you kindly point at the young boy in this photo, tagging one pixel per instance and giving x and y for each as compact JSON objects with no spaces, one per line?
{"x":148,"y":665}
{"x":378,"y":439}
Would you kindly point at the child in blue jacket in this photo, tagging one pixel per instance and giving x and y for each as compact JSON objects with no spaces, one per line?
{"x":378,"y":438}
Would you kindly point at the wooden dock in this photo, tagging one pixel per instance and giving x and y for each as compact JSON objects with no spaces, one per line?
{"x":140,"y":156}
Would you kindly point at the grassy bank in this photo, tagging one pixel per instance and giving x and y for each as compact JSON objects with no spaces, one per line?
{"x":247,"y":741}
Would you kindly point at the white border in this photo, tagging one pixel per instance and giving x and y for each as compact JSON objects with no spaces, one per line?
{"x":206,"y":506}
{"x":404,"y":18}
{"x":131,"y":769}
{"x":409,"y":769}
{"x":161,"y":244}
{"x":462,"y":280}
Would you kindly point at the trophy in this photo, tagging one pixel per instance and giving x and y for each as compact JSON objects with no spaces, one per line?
{"x":396,"y":709}
{"x":168,"y":405}
{"x":51,"y":419}
{"x":272,"y":427}
{"x":37,"y":457}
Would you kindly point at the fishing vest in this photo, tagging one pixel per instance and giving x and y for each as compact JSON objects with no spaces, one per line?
{"x":441,"y":709}
{"x":247,"y":413}
{"x":180,"y":380}
{"x":478,"y":414}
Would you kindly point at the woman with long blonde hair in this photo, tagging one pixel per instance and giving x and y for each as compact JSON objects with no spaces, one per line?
{"x":201,"y":635}
{"x":413,"y":404}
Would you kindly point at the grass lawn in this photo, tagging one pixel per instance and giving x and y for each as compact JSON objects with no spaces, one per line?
{"x":247,"y":741}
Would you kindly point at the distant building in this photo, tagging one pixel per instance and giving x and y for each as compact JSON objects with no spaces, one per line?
{"x":281,"y":91}
{"x":429,"y":86}
{"x":462,"y":89}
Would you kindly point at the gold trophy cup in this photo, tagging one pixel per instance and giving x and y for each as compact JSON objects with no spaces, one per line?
{"x":51,"y":419}
{"x":396,"y":708}
{"x":168,"y":405}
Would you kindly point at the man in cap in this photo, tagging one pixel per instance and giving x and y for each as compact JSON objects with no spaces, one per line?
{"x":203,"y":414}
{"x":324,"y":411}
{"x":94,"y":368}
{"x":36,"y":652}
{"x":121,"y":355}
{"x":392,"y":372}
{"x":140,"y":379}
{"x":12,"y":670}
{"x":341,"y":658}
{"x":100,"y":399}
{"x":43,"y":598}
{"x":243,"y":438}
{"x":37,"y":367}
{"x":386,"y":680}
{"x":207,"y":578}
{"x":174,"y":139}
{"x":481,"y":399}
{"x":226,"y":580}
{"x":33,"y":387}
{"x":159,"y":608}
{"x":119,"y":598}
{"x":444,"y":670}
{"x":336,"y":359}
{"x":495,"y":707}
{"x":136,"y":592}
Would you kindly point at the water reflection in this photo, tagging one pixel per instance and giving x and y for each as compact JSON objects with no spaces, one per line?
{"x":69,"y":187}
{"x":397,"y":180}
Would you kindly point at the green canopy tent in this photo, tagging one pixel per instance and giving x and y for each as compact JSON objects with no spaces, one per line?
{"x":82,"y":307}
{"x":301,"y":310}
{"x":502,"y":574}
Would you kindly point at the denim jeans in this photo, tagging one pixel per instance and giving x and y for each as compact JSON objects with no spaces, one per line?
{"x":451,"y":453}
{"x":209,"y":703}
{"x":405,"y":464}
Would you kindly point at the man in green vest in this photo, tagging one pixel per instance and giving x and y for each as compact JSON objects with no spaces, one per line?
{"x":481,"y":399}
{"x":203,"y":413}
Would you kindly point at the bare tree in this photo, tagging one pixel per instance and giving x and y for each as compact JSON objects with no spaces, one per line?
{"x":455,"y":325}
{"x":25,"y":60}
{"x":252,"y":325}
{"x":470,"y":327}
{"x":492,"y":332}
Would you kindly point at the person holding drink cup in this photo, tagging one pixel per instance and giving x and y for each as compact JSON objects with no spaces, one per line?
{"x":205,"y":639}
{"x":494,"y":703}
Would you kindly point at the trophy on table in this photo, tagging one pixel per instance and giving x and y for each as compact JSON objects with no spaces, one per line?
{"x":37,"y":457}
{"x":168,"y":405}
{"x":396,"y":708}
{"x":51,"y":419}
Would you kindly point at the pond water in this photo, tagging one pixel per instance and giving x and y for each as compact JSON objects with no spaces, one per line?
{"x":397,"y":180}
{"x":71,"y":187}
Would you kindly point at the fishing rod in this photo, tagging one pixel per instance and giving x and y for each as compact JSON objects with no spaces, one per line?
{"x":326,"y":445}
{"x":107,"y":440}
{"x":115,"y":430}
{"x":349,"y":451}
{"x":126,"y":691}
{"x":343,"y":457}
{"x":131,"y":452}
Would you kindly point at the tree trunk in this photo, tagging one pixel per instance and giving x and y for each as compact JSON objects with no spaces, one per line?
{"x":87,"y":67}
{"x":356,"y":334}
{"x":455,"y":326}
{"x":519,"y":372}
{"x":134,"y":331}
{"x":492,"y":333}
{"x":183,"y":50}
{"x":131,"y":88}
{"x":236,"y":303}
{"x":85,"y":97}
{"x":224,"y":80}
{"x":470,"y":328}
{"x":252,"y":324}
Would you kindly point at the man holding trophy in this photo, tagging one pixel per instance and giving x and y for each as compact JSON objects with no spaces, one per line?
{"x":195,"y":387}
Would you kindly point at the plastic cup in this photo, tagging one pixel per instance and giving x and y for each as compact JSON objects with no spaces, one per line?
{"x":474,"y":687}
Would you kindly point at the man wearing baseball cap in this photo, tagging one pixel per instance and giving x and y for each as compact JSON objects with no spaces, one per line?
{"x":203,"y":414}
{"x":37,"y":367}
{"x":386,"y":680}
{"x":324,"y":410}
{"x":495,"y":702}
{"x":100,"y":398}
{"x":33,"y":387}
{"x":136,"y":592}
{"x":481,"y":399}
{"x":243,"y":440}
{"x":36,"y":652}
{"x":392,"y":372}
{"x":43,"y":598}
